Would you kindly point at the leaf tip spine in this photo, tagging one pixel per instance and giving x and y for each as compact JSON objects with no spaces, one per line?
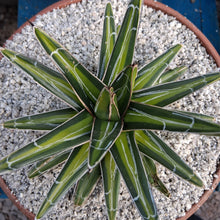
{"x":134,"y":65}
{"x":108,"y":3}
{"x":31,"y":23}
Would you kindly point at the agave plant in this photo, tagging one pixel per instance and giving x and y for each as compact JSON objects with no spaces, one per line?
{"x":108,"y":129}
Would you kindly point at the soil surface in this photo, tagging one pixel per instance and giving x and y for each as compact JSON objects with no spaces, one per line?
{"x":8,"y":24}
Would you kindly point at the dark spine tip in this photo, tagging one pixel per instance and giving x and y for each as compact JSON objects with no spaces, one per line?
{"x":29,"y":22}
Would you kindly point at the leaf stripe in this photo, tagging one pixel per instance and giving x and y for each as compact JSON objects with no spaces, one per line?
{"x":149,"y":74}
{"x":42,"y":166}
{"x":127,"y":158}
{"x":103,"y":136}
{"x":140,"y":116}
{"x":111,"y":182}
{"x":171,"y":75}
{"x":72,"y":133}
{"x":123,"y":50}
{"x":73,"y":170}
{"x":48,"y":78}
{"x":42,"y":121}
{"x":86,"y":85}
{"x":151,"y":145}
{"x":86,"y":185}
{"x":153,"y":178}
{"x":108,"y":40}
{"x":167,"y":93}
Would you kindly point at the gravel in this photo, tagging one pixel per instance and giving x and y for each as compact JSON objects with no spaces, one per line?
{"x":9,"y":212}
{"x":79,"y":28}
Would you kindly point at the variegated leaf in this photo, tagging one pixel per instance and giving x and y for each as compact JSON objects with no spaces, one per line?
{"x":167,"y":93}
{"x":150,"y":73}
{"x":118,"y":29}
{"x":48,"y":78}
{"x":45,"y":165}
{"x":123,"y":50}
{"x":108,"y":40}
{"x":86,"y":85}
{"x":171,"y":75}
{"x":86,"y":185}
{"x":106,"y":107}
{"x":74,"y":132}
{"x":111,"y":182}
{"x":123,"y":86}
{"x":42,"y":121}
{"x":197,"y":115}
{"x":152,"y":146}
{"x":153,"y":178}
{"x":128,"y":160}
{"x":140,"y":116}
{"x":103,"y":136}
{"x":73,"y":170}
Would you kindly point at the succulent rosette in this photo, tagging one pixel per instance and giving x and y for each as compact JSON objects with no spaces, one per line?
{"x":108,"y":129}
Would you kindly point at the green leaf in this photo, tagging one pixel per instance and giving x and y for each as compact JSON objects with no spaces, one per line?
{"x":197,"y":115}
{"x":167,"y":93}
{"x":111,"y":182}
{"x":171,"y":75}
{"x":150,"y":73}
{"x":153,"y":178}
{"x":86,"y":185}
{"x":123,"y":86}
{"x":123,"y":50}
{"x":140,"y":116}
{"x":128,"y":160}
{"x":86,"y":85}
{"x":118,"y":29}
{"x":42,"y":121}
{"x":108,"y":40}
{"x":103,"y":136}
{"x":45,"y":165}
{"x":73,"y":170}
{"x":74,"y":132}
{"x":106,"y":107}
{"x":48,"y":78}
{"x":152,"y":146}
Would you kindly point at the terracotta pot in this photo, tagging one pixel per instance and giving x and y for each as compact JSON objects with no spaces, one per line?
{"x":204,"y":41}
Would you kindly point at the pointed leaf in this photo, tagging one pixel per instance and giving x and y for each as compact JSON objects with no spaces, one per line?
{"x":123,"y":50}
{"x":106,"y":107}
{"x":86,"y":86}
{"x":42,"y":121}
{"x":108,"y":40}
{"x":153,"y":178}
{"x":111,"y":182}
{"x":171,"y":75}
{"x":86,"y":185}
{"x":103,"y":136}
{"x":73,"y":170}
{"x":198,"y":115}
{"x":140,"y":116}
{"x":152,"y":146}
{"x":74,"y":132}
{"x":167,"y":93}
{"x":48,"y":78}
{"x":123,"y":86}
{"x":45,"y":165}
{"x":149,"y":74}
{"x":118,"y":29}
{"x":128,"y":160}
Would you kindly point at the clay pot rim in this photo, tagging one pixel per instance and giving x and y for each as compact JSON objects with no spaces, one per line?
{"x":203,"y":40}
